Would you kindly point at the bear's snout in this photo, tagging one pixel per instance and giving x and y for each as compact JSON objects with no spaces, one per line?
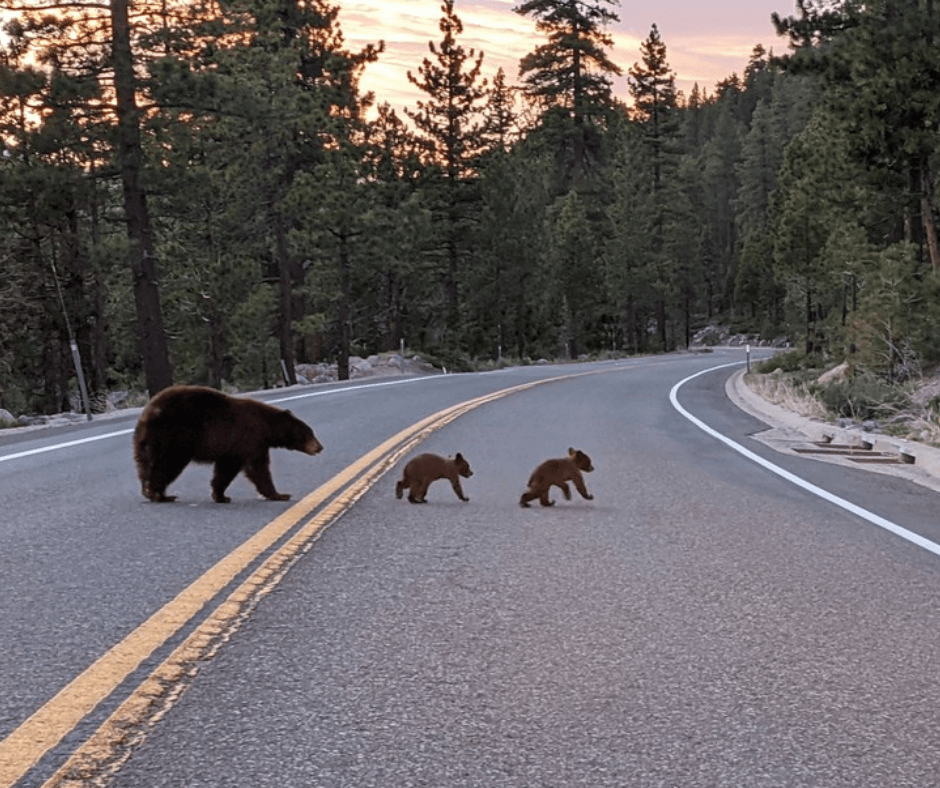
{"x":313,"y":446}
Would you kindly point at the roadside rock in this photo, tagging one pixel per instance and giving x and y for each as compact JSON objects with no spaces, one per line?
{"x":373,"y":366}
{"x":713,"y":335}
{"x":841,"y":372}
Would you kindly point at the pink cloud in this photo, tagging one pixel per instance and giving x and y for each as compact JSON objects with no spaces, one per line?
{"x":704,"y":43}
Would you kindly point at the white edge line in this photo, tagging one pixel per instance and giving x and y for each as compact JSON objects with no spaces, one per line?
{"x":319,"y":393}
{"x":871,"y":517}
{"x":65,"y":445}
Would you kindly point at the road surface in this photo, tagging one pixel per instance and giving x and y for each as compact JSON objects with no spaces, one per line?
{"x":702,"y":622}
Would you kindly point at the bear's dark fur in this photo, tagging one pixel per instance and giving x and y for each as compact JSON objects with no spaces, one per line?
{"x":426,"y":468}
{"x":184,"y":424}
{"x":558,"y":472}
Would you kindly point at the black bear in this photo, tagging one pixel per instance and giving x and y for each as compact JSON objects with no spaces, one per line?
{"x":558,"y":472}
{"x":184,"y":424}
{"x":426,"y":468}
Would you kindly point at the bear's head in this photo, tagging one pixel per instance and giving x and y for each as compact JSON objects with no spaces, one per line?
{"x":463,"y":467}
{"x":295,"y":434}
{"x":581,"y":461}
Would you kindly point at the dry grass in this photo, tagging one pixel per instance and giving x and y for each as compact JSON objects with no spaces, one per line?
{"x":918,"y":422}
{"x":779,"y":389}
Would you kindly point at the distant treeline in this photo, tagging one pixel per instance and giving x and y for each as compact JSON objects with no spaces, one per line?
{"x":200,"y":192}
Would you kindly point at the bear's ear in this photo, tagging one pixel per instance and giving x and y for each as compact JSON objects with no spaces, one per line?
{"x":458,"y":457}
{"x":572,"y":452}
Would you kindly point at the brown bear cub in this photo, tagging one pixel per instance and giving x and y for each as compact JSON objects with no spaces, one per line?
{"x":558,"y":472}
{"x":184,"y":424}
{"x":426,"y":468}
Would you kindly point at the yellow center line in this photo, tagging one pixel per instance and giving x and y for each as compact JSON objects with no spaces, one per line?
{"x":42,"y":731}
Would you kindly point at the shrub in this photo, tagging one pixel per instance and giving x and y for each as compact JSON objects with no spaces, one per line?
{"x":865,"y":396}
{"x":790,"y":361}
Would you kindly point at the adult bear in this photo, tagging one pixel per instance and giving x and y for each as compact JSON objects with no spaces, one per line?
{"x":184,"y":424}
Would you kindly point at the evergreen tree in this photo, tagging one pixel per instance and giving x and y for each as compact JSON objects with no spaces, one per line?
{"x":869,"y":55}
{"x":449,"y":123}
{"x":655,"y":110}
{"x":130,"y":161}
{"x":395,"y":299}
{"x":569,"y":76}
{"x":817,"y":183}
{"x":655,"y":101}
{"x":499,"y":130}
{"x":754,"y":287}
{"x":630,"y":267}
{"x":276,"y":92}
{"x":82,"y":48}
{"x":757,"y":171}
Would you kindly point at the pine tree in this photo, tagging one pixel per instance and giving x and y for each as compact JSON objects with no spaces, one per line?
{"x":811,"y":202}
{"x":499,"y":125}
{"x":652,"y":86}
{"x":881,"y":64}
{"x":277,"y":95}
{"x":569,"y":77}
{"x":452,"y":130}
{"x":572,"y":69}
{"x":130,"y":161}
{"x":83,"y":48}
{"x":655,"y":100}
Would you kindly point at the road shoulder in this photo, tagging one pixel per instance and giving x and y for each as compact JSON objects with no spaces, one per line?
{"x":789,"y":432}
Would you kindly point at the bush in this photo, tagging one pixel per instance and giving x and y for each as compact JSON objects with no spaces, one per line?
{"x":790,"y":361}
{"x":447,"y":358}
{"x":865,"y":396}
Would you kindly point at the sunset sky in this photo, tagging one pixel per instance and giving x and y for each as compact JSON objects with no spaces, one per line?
{"x":705,"y":42}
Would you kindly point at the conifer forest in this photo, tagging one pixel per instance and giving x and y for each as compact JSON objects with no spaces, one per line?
{"x":198,"y":191}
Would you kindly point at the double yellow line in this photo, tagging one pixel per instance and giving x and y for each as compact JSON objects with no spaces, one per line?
{"x":113,"y":742}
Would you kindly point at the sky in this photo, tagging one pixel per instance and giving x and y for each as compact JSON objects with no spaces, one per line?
{"x":705,"y":42}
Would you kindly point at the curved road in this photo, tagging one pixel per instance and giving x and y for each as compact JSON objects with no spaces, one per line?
{"x":701,"y":622}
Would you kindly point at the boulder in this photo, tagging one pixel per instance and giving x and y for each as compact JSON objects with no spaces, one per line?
{"x":835,"y":374}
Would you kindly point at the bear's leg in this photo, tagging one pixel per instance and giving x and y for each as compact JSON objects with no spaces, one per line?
{"x":455,"y":483}
{"x":161,"y":475}
{"x":566,"y":490}
{"x":528,"y":495}
{"x":419,"y":489}
{"x":259,"y":473}
{"x":226,"y":469}
{"x":403,"y":485}
{"x":579,"y":484}
{"x":543,"y":496}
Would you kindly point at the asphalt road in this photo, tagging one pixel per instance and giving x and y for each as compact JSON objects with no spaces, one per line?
{"x":701,"y":622}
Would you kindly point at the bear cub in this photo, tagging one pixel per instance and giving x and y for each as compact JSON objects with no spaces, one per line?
{"x":184,"y":424}
{"x":426,"y":468}
{"x":558,"y":472}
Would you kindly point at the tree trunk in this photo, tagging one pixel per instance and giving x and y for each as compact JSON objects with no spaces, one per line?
{"x":926,"y":210}
{"x":216,"y":354}
{"x":345,"y":308}
{"x":285,"y":299}
{"x":99,"y":338}
{"x":150,"y":333}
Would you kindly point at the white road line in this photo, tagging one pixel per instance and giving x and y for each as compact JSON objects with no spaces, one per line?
{"x":871,"y":517}
{"x":320,"y":392}
{"x":65,"y":445}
